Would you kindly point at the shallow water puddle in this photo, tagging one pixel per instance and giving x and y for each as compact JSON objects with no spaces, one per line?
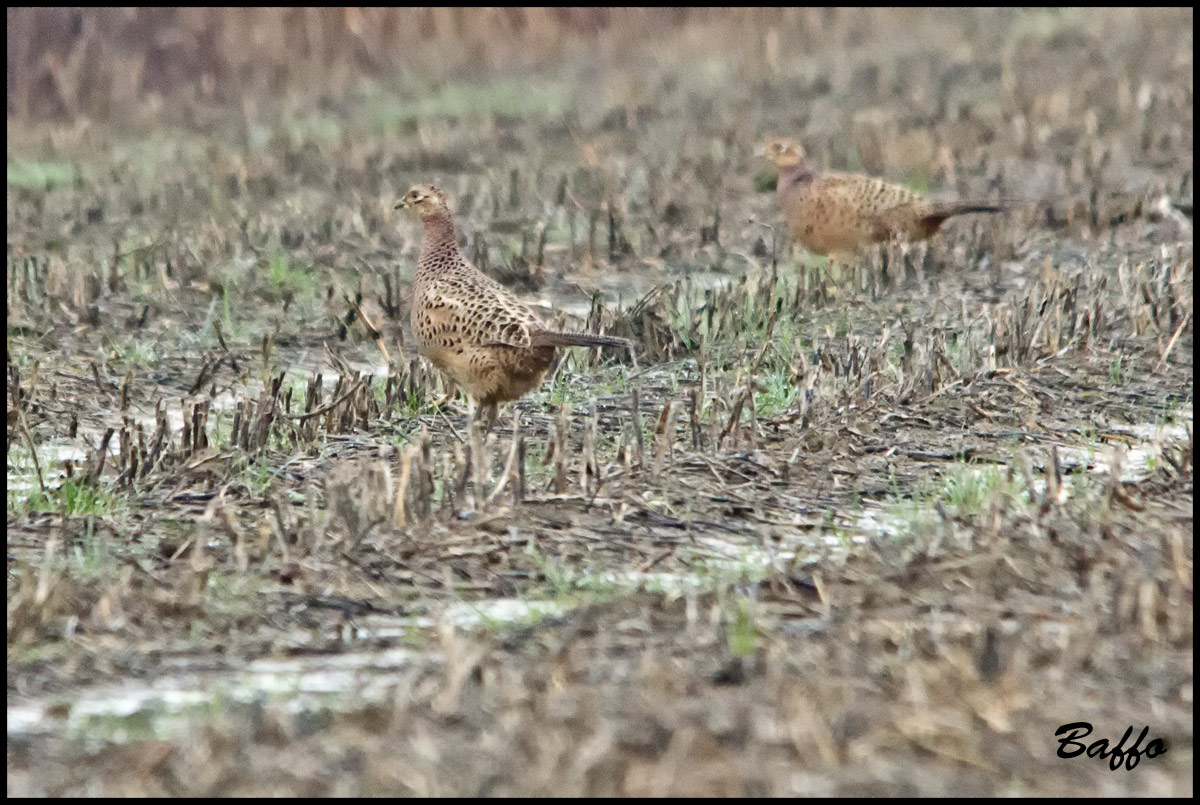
{"x":462,"y":615}
{"x":170,"y":703}
{"x":1136,"y":462}
{"x":724,"y":559}
{"x":621,"y":290}
{"x":175,"y":701}
{"x":22,"y":477}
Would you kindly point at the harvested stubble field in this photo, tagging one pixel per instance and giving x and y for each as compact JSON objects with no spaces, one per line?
{"x":869,"y":527}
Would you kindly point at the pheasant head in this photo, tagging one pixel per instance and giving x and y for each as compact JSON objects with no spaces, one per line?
{"x":425,"y":200}
{"x":784,"y":153}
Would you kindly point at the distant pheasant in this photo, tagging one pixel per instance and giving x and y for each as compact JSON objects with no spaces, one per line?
{"x":839,"y":213}
{"x":471,"y":327}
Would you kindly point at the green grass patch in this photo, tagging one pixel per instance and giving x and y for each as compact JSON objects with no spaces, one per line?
{"x":765,"y":181}
{"x":316,"y":127}
{"x":568,"y":586}
{"x":917,"y":179}
{"x":1116,"y":371}
{"x":968,"y":486}
{"x":288,"y":277}
{"x":38,"y":175}
{"x":964,"y":489}
{"x":73,"y":497}
{"x":743,"y":634}
{"x":528,"y":98}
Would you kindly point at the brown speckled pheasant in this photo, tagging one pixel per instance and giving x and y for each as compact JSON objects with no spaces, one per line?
{"x":838,"y":213}
{"x":471,"y":327}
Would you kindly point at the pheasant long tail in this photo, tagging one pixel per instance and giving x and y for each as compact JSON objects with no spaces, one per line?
{"x":932,"y":221}
{"x":553,"y":338}
{"x":948,"y":209}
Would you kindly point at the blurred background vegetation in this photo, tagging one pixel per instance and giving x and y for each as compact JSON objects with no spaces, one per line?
{"x":95,"y":61}
{"x":71,"y":61}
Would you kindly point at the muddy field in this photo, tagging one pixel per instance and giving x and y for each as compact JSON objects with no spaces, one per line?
{"x":864,"y":528}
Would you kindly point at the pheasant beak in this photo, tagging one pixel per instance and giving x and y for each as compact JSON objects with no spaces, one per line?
{"x":403,"y":203}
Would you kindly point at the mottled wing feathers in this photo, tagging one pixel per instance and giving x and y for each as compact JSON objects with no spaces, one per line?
{"x":867,"y":194}
{"x":475,"y":313}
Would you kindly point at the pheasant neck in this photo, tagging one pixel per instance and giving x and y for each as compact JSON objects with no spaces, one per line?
{"x":439,"y":239}
{"x":792,"y":175}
